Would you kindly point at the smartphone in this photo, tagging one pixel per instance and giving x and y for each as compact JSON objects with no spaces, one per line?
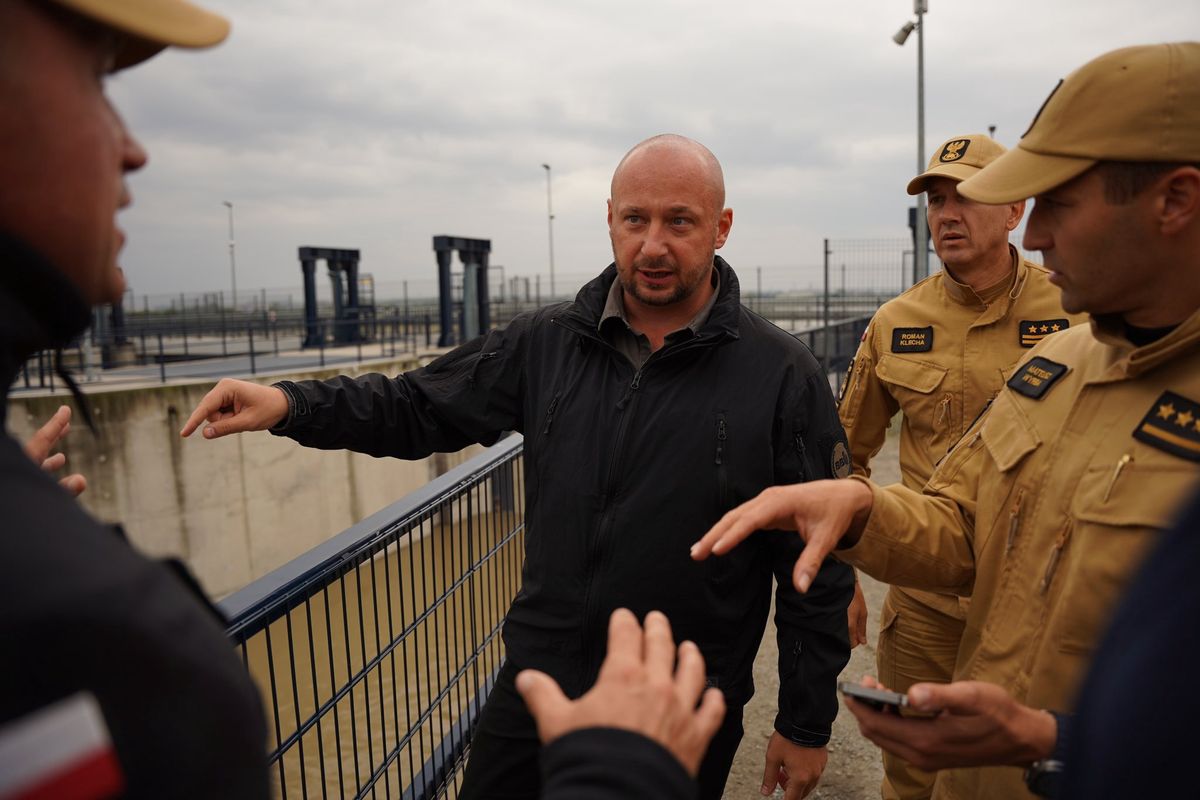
{"x":878,"y":699}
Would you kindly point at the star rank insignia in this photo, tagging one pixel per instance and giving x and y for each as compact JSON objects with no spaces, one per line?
{"x":1032,"y":331}
{"x":1172,"y":425}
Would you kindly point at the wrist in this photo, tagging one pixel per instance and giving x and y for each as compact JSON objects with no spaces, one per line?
{"x":1041,"y":733}
{"x":1044,"y":775}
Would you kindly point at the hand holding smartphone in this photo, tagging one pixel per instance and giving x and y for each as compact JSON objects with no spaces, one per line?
{"x":878,"y":699}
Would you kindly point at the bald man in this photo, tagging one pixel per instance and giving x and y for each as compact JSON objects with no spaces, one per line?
{"x":651,"y":405}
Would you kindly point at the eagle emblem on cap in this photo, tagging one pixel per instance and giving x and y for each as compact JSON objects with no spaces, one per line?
{"x":955,"y":150}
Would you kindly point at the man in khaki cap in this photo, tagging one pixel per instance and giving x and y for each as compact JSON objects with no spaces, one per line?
{"x":939,"y":353}
{"x":1049,"y":502}
{"x":117,"y":678}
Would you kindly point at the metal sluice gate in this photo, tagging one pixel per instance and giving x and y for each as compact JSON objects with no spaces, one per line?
{"x":375,"y":651}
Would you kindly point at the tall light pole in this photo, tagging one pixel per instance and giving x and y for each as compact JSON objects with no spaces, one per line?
{"x":232,"y":262}
{"x":920,"y":247}
{"x":550,"y":226}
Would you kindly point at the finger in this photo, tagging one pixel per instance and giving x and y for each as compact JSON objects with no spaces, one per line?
{"x":807,"y":566}
{"x":624,"y":642}
{"x":689,"y":675}
{"x":225,"y":426}
{"x":862,"y":627}
{"x":770,"y":776}
{"x":209,"y":409}
{"x":710,"y":714}
{"x":730,"y":530}
{"x":75,"y":484}
{"x":45,"y":437}
{"x":56,"y":461}
{"x":960,"y":697}
{"x":659,"y":645}
{"x":544,"y":699}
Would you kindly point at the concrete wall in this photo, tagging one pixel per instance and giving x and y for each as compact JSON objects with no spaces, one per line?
{"x":234,"y":508}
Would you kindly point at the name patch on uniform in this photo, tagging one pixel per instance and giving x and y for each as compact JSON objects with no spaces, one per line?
{"x":1033,"y":331}
{"x":912,"y":340}
{"x":954,"y":151}
{"x":1036,"y":377}
{"x":1172,"y":424}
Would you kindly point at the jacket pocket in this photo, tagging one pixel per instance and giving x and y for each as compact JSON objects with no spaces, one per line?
{"x":1120,"y":508}
{"x":921,"y":377}
{"x":721,"y":461}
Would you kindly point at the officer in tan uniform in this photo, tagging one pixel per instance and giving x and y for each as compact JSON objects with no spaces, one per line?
{"x":1044,"y":509}
{"x":939,"y":353}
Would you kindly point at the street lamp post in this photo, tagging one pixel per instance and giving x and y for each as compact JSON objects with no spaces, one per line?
{"x":921,"y":246}
{"x":232,"y":261}
{"x":550,"y":226}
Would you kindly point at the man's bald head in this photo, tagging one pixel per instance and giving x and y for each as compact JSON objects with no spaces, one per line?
{"x":686,"y":153}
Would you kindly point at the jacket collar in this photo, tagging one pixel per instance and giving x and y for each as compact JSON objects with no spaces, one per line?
{"x":963,"y":294}
{"x":40,"y":309}
{"x":1127,"y":361}
{"x":588,"y":307}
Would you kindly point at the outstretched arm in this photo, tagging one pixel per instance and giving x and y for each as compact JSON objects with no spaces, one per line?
{"x":234,"y":406}
{"x":826,"y":514}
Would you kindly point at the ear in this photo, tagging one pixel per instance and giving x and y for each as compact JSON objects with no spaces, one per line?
{"x":1177,"y":204}
{"x":610,"y":214}
{"x":724,"y":224}
{"x":1015,"y":212}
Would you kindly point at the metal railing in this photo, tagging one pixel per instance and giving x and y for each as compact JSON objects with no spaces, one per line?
{"x":374,"y":651}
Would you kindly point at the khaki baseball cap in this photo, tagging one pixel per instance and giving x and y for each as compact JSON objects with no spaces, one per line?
{"x":1134,"y":104}
{"x":958,"y":158}
{"x":153,"y":25}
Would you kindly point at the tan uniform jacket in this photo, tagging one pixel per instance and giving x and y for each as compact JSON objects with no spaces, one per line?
{"x":1044,"y":510}
{"x":939,"y":353}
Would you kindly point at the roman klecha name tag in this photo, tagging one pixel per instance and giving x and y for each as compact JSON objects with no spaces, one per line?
{"x":912,"y":340}
{"x":1036,"y":377}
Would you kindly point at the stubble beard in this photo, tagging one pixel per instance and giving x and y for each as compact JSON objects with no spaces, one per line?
{"x":682,"y":290}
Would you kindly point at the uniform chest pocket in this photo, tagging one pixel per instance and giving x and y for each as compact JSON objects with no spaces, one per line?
{"x":929,"y":411}
{"x":1119,"y":509}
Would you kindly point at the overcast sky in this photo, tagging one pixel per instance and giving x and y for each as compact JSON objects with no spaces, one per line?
{"x":376,"y":124}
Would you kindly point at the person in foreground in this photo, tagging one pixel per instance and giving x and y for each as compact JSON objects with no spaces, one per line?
{"x":640,"y":731}
{"x":117,"y":678}
{"x":1044,"y":509}
{"x":651,"y":405}
{"x":939,"y":353}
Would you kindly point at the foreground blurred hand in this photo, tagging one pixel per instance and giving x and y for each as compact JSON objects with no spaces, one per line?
{"x":45,"y":439}
{"x":639,"y":689}
{"x":822,"y":512}
{"x":973,"y":724}
{"x":236,"y":406}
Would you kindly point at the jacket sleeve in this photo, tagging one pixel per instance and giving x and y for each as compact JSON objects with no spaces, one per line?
{"x":611,"y":764}
{"x":812,"y":628}
{"x":471,"y":394}
{"x":926,"y":540}
{"x":865,"y":406}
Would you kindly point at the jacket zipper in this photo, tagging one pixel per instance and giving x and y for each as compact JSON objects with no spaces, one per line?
{"x":1014,"y":521}
{"x":1055,"y":555}
{"x":550,"y":414}
{"x":722,"y":475}
{"x":602,"y":526}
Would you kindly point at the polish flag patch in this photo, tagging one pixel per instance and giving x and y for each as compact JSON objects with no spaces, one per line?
{"x":63,"y":751}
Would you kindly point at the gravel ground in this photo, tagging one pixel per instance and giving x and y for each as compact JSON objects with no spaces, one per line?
{"x":854,"y":770}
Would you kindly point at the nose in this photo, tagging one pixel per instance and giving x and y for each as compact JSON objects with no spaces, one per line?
{"x":654,"y":244}
{"x":1037,"y":234}
{"x":133,"y":155}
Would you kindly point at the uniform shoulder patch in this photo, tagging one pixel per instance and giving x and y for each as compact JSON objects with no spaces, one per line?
{"x":1036,"y":377}
{"x":839,"y":460}
{"x":1173,"y":425}
{"x":954,"y":151}
{"x":912,"y":340}
{"x":1033,"y":331}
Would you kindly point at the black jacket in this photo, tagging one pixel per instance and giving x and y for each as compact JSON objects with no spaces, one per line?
{"x":624,"y":470}
{"x":82,"y":612}
{"x":611,"y":764}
